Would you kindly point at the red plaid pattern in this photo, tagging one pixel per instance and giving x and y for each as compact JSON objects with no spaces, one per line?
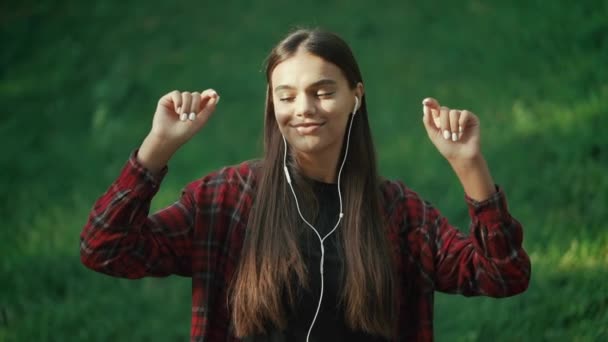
{"x":201,"y":236}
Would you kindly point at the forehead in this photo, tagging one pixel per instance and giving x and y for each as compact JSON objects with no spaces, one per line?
{"x":303,"y":69}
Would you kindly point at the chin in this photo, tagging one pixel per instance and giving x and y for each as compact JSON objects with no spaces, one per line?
{"x":308,"y":144}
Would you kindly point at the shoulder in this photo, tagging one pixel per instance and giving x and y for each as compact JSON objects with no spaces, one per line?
{"x":238,"y":178}
{"x":400,"y":200}
{"x":396,"y":190}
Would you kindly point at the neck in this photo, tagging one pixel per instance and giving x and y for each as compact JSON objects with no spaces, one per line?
{"x":322,"y":167}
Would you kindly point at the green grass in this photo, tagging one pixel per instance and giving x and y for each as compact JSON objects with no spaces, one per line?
{"x":79,"y":83}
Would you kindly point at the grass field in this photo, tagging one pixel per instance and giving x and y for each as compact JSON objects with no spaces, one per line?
{"x":80,"y":80}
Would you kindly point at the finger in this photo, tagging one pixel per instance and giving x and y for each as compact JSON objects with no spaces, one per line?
{"x":203,"y":116}
{"x":186,"y":104}
{"x":427,"y":120}
{"x":209,"y":93}
{"x":434,"y":116}
{"x":431,"y":102}
{"x":465,"y":116}
{"x":444,"y":120}
{"x":171,"y":100}
{"x":426,"y":115}
{"x":433,"y":107}
{"x":176,"y":98}
{"x":454,"y":116}
{"x":200,"y":104}
{"x":195,"y":105}
{"x":206,"y":96}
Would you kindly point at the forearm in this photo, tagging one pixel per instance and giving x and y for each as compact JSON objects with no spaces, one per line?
{"x":475,"y":177}
{"x":154,"y":153}
{"x":116,"y":220}
{"x":489,"y":261}
{"x":120,"y":238}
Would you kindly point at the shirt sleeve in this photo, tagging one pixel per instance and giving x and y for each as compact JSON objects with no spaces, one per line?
{"x":120,"y":239}
{"x":490,"y":260}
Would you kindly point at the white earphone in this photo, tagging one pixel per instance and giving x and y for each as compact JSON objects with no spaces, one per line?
{"x":340,"y":217}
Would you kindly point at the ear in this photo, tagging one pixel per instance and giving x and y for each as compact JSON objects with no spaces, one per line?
{"x":359,"y":92}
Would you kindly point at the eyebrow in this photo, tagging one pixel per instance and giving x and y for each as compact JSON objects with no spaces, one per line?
{"x":318,"y":83}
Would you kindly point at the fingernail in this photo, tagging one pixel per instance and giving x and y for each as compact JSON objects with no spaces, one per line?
{"x":446,"y":134}
{"x":183,"y":117}
{"x":192,"y":116}
{"x":454,"y":136}
{"x":460,"y":129}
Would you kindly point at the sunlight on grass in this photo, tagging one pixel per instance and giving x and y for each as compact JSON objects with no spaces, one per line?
{"x":542,"y":116}
{"x":585,"y":255}
{"x":80,"y":83}
{"x":579,"y":255}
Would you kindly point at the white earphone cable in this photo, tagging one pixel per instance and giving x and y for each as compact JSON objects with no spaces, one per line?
{"x":321,"y":240}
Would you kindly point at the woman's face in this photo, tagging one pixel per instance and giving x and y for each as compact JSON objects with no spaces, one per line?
{"x":312,"y":103}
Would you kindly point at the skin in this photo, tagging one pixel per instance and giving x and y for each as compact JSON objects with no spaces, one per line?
{"x":307,"y":89}
{"x":456,"y":135}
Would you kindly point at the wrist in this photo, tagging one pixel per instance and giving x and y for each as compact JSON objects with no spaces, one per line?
{"x":468,"y":163}
{"x":155,"y":152}
{"x":475,"y":177}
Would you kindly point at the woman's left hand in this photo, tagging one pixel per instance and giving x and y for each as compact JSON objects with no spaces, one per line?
{"x":455,"y":132}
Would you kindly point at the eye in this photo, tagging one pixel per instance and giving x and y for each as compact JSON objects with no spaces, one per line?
{"x":324,"y":94}
{"x":286,"y":99}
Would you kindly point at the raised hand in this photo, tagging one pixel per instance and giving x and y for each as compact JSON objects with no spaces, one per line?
{"x":454,"y":132}
{"x":178,"y":116}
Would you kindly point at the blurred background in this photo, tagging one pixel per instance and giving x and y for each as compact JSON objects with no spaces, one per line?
{"x":79,"y":83}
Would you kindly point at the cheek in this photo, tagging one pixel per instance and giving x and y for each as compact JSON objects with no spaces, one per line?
{"x":282,"y":117}
{"x":330,"y":106}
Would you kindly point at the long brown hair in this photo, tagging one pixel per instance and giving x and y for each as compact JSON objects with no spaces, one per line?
{"x":271,"y":265}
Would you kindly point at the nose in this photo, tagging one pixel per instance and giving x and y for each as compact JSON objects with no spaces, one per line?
{"x":305,"y":105}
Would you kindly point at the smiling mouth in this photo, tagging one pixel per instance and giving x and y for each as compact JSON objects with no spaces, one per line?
{"x":309,"y":124}
{"x":306,"y":129}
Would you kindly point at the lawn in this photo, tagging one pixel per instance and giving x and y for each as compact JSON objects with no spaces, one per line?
{"x":80,"y":80}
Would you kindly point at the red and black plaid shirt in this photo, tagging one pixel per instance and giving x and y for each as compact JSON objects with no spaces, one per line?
{"x":201,"y":236}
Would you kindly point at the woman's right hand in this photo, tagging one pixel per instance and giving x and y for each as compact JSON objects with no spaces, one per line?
{"x":179,"y":116}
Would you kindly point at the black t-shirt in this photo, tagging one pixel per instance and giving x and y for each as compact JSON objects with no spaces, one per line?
{"x":330,"y":324}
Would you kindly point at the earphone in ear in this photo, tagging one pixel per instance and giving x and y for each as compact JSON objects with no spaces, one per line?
{"x":356,"y":105}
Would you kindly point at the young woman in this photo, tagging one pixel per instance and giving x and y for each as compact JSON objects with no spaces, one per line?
{"x":309,"y":243}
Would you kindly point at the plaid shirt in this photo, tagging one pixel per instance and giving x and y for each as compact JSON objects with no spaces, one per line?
{"x":201,"y":236}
